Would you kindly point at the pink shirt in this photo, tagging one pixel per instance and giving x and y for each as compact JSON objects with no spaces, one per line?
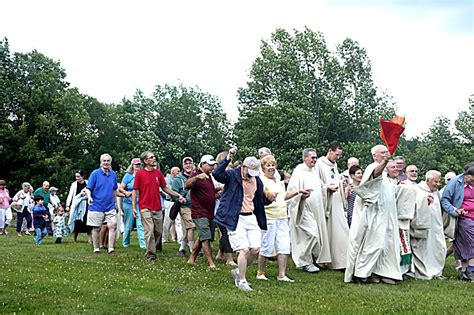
{"x":468,"y":202}
{"x":4,"y":198}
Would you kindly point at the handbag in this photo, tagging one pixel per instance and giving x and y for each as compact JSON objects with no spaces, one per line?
{"x":16,"y":206}
{"x":175,"y":210}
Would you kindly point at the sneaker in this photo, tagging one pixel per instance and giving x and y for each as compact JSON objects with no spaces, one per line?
{"x":244,"y":286}
{"x":27,"y":233}
{"x":111,"y":253}
{"x":387,"y":281}
{"x":5,"y":232}
{"x":261,"y":277}
{"x":310,"y":268}
{"x":19,"y":234}
{"x":285,"y":279}
{"x":235,"y":275}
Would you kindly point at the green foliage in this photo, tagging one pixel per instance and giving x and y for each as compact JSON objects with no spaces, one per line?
{"x":300,"y":95}
{"x":68,"y":278}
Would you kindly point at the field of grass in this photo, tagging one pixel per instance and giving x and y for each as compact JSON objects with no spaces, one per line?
{"x":68,"y":278}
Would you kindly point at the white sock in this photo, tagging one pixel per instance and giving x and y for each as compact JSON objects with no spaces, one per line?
{"x":183,"y":245}
{"x":191,"y":244}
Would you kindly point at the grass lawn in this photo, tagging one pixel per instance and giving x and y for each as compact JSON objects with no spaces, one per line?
{"x":68,"y":278}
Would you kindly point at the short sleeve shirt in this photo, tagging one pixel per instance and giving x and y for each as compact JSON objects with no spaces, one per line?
{"x":148,"y":184}
{"x":102,"y":187}
{"x":203,"y":197}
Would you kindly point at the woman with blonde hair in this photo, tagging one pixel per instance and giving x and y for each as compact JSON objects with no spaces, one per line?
{"x":126,"y":188}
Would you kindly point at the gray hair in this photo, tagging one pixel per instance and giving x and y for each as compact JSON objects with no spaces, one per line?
{"x":264,"y":150}
{"x":449,"y":175}
{"x":399,"y":157}
{"x":352,"y":160}
{"x":432,"y":174}
{"x":105,"y":155}
{"x":306,"y":152}
{"x":26,"y":185}
{"x":144,"y":155}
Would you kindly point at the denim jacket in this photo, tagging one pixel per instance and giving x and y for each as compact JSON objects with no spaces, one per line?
{"x":453,"y":195}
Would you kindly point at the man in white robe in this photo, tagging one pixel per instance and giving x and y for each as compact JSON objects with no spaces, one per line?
{"x":427,"y":231}
{"x":373,"y":250}
{"x":308,"y":231}
{"x":338,"y":228}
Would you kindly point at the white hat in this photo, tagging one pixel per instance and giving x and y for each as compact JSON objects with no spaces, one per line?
{"x":208,"y":159}
{"x":251,"y":163}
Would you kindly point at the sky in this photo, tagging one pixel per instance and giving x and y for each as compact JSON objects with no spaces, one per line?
{"x":421,"y":51}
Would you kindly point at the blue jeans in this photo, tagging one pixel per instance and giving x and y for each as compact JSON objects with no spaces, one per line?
{"x":40,"y":234}
{"x":128,"y":221}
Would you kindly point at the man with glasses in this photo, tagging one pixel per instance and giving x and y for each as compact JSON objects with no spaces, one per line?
{"x":338,"y":228}
{"x":101,"y":193}
{"x":148,"y":182}
{"x":308,"y":230}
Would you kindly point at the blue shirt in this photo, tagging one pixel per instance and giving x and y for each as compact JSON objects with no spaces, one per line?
{"x":38,"y":213}
{"x":102,"y":187}
{"x":453,"y":195}
{"x":128,"y":180}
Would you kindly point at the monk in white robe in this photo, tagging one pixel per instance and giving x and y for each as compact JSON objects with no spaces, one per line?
{"x":427,"y":231}
{"x":373,"y":249}
{"x":309,"y":237}
{"x":338,"y":228}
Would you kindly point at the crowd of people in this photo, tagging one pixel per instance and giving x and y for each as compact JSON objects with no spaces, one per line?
{"x":378,"y":225}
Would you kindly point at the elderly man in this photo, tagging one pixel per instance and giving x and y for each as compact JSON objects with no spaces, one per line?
{"x":458,"y":201}
{"x":188,"y":226}
{"x":241,"y":210}
{"x":147,"y":185}
{"x":203,"y":202}
{"x":44,"y":191}
{"x":427,"y":233}
{"x":373,"y":250}
{"x":306,"y":208}
{"x":337,"y":226}
{"x":400,"y":162}
{"x":101,"y":193}
{"x":412,"y":175}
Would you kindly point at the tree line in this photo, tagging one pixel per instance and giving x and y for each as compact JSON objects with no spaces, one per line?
{"x":299,"y":94}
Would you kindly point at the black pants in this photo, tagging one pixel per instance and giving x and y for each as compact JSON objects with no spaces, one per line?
{"x":224,"y":244}
{"x":25,"y":214}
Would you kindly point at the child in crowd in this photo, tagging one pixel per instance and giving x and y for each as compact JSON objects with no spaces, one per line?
{"x":40,"y":217}
{"x":59,"y":224}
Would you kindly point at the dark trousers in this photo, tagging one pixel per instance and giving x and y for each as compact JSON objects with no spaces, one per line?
{"x":25,"y":214}
{"x":224,"y":244}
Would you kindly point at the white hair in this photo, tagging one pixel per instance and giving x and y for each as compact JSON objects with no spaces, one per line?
{"x":376,"y":148}
{"x":352,"y":160}
{"x":449,"y":174}
{"x":104,"y":156}
{"x":432,"y":174}
{"x":264,"y":151}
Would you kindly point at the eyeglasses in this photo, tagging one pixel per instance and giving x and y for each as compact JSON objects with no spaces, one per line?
{"x":150,"y":157}
{"x":314,"y":157}
{"x":413,"y":171}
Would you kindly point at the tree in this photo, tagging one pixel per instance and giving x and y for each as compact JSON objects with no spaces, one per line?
{"x":302,"y":89}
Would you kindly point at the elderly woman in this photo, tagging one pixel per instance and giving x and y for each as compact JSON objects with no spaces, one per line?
{"x":4,"y":204}
{"x":23,"y":203}
{"x":126,"y":188}
{"x":76,"y":206}
{"x":276,"y":239}
{"x":458,"y":202}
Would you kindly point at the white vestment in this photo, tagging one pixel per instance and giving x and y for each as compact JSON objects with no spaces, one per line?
{"x":427,"y":240}
{"x":338,"y":228}
{"x":308,"y":229}
{"x":373,"y":238}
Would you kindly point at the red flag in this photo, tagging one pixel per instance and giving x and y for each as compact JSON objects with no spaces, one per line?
{"x":391,"y":131}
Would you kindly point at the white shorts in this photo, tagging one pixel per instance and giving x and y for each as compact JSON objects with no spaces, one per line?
{"x":247,"y":234}
{"x":97,"y":218}
{"x":276,"y":238}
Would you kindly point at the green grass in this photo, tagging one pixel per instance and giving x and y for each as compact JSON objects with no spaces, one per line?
{"x":68,"y":278}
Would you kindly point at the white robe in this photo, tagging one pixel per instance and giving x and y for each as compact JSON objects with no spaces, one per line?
{"x":428,"y":244}
{"x":308,"y":229}
{"x":338,"y":228}
{"x":373,"y":238}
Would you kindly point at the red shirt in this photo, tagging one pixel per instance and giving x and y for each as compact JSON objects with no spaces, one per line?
{"x":203,"y":197}
{"x":148,"y":184}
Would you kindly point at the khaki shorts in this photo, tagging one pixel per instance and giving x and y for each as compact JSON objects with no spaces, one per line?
{"x":97,"y":218}
{"x":186,"y":218}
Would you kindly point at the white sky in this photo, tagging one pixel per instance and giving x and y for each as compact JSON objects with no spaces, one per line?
{"x":421,"y":51}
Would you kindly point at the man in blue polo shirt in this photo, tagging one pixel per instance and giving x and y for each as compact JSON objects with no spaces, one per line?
{"x":101,"y":191}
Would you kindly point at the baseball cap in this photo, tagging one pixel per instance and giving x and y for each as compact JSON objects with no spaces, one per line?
{"x":188,"y":159}
{"x":209,"y":159}
{"x":251,"y":163}
{"x":53,"y":189}
{"x":136,"y":161}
